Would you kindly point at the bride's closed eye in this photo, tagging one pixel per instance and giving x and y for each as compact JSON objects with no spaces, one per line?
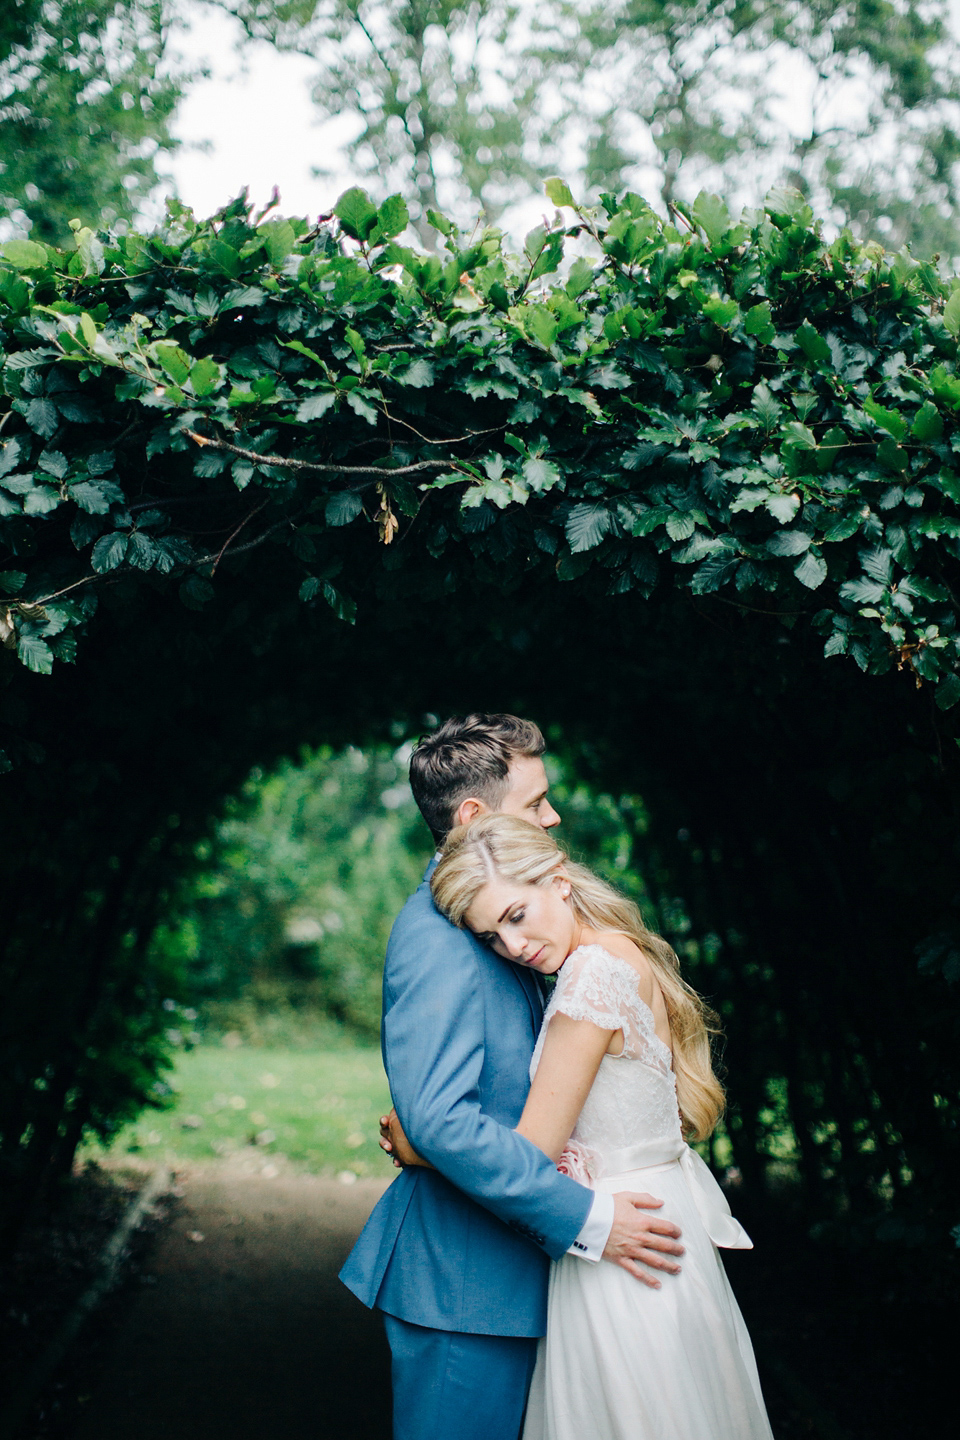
{"x":488,"y":937}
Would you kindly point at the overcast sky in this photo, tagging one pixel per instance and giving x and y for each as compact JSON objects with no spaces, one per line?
{"x":255,"y":114}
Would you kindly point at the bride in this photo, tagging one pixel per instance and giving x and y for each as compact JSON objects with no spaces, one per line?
{"x":621,"y":1077}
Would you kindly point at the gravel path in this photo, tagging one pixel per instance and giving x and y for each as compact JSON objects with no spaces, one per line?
{"x":246,"y":1333}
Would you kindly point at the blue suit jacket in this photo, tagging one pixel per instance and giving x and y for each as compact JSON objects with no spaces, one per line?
{"x":456,"y":1248}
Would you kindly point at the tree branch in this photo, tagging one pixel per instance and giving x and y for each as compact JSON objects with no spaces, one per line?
{"x":285,"y":463}
{"x":234,"y":535}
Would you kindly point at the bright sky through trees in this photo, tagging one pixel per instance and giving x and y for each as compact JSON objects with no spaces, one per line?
{"x":260,"y":127}
{"x":255,"y":114}
{"x":251,"y":122}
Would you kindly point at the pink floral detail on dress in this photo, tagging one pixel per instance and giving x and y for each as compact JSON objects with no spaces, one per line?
{"x":576,"y":1161}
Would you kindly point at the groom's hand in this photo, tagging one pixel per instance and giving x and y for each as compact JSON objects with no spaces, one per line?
{"x":637,"y":1237}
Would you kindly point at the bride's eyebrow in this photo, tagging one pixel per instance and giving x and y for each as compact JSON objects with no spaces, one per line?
{"x":514,"y":905}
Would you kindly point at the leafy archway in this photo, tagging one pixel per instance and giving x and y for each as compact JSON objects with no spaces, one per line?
{"x":637,"y":502}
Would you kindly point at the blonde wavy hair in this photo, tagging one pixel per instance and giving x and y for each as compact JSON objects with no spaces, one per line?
{"x":504,"y":847}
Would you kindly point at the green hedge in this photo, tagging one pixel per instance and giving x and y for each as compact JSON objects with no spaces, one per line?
{"x":730,"y":408}
{"x":221,"y":438}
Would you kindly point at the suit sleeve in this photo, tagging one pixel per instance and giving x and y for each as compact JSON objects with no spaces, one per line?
{"x":433,"y":1048}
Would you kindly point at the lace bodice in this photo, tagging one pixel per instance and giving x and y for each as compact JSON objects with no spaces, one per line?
{"x":633,"y":1100}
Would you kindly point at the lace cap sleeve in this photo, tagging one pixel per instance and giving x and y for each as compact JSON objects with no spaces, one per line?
{"x":596,"y":986}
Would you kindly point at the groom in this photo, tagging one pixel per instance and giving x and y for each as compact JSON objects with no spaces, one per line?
{"x":457,"y":1257}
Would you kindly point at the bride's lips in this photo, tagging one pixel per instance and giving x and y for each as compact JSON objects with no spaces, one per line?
{"x":534,"y":958}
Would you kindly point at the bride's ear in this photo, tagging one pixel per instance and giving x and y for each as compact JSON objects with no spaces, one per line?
{"x":563,"y":882}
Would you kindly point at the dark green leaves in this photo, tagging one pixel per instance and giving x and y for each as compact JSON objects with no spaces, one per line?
{"x":812,"y":344}
{"x":316,"y":405}
{"x":680,"y":525}
{"x":41,"y":416}
{"x":11,"y":452}
{"x":719,"y":396}
{"x":587,"y":525}
{"x":94,"y":499}
{"x":717,"y":570}
{"x":789,"y":542}
{"x":927,"y":424}
{"x":767,"y":409}
{"x":342,"y":606}
{"x":109,"y":552}
{"x":196,"y":592}
{"x":35,"y":653}
{"x":947,"y":693}
{"x":341,"y":509}
{"x":812,"y":570}
{"x":890,"y":419}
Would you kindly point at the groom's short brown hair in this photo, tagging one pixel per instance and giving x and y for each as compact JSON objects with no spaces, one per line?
{"x":468,"y":755}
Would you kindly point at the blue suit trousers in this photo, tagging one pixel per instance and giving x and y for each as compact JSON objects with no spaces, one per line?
{"x":456,"y":1386}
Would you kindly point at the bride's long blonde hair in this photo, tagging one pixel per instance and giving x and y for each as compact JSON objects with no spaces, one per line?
{"x":514,"y":850}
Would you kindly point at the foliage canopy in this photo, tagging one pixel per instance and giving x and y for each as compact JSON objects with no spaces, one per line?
{"x":728,"y":408}
{"x":634,"y":489}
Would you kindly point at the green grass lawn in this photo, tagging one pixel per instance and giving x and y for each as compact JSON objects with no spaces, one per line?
{"x":317,"y":1108}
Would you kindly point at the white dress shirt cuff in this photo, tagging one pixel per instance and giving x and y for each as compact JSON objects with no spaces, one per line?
{"x":590,"y":1243}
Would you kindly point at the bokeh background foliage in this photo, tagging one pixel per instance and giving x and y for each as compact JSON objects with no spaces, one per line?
{"x":287,"y":913}
{"x":87,"y":95}
{"x":268,"y":487}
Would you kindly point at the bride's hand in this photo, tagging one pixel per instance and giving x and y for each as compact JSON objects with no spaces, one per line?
{"x":393,"y":1142}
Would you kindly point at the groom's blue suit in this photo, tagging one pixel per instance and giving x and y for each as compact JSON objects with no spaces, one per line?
{"x":460,"y":1257}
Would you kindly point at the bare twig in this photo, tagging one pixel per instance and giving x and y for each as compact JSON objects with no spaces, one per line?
{"x":250,"y":545}
{"x":283,"y":462}
{"x":233,"y":536}
{"x":452,"y":440}
{"x":67,"y":588}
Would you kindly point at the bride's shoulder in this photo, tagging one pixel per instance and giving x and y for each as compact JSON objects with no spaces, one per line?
{"x":621,"y":948}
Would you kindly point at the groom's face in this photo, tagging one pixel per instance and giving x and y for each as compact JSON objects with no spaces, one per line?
{"x":526,"y":795}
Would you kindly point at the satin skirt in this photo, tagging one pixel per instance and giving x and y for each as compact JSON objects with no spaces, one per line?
{"x":623,"y":1362}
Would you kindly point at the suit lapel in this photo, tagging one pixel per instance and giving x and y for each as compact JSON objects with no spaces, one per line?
{"x":530,"y":988}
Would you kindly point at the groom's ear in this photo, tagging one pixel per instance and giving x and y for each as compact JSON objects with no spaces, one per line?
{"x":468,"y":810}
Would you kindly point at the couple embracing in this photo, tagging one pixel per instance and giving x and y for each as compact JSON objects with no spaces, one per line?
{"x":546,"y":1178}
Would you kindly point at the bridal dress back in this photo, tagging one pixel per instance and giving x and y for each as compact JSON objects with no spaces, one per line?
{"x":621,"y":1361}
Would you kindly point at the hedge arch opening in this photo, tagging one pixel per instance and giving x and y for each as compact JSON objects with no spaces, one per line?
{"x":652,"y":492}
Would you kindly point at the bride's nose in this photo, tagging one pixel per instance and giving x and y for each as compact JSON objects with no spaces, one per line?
{"x":514,"y":946}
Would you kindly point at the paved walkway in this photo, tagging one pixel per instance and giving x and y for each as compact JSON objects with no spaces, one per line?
{"x":247,"y":1334}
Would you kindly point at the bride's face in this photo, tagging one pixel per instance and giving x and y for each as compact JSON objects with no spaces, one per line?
{"x":531,"y":924}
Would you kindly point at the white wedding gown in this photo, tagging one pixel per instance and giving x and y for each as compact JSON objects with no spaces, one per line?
{"x":621,"y":1361}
